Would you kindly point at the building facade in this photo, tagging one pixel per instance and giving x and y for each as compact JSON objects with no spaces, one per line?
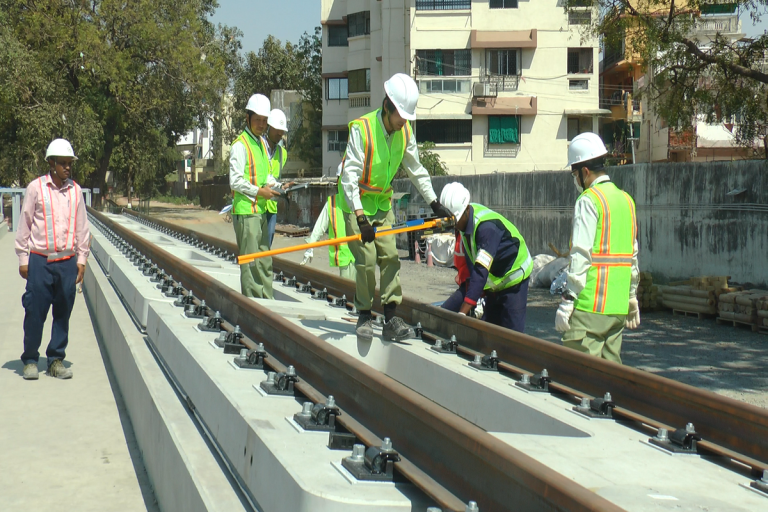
{"x":505,"y":84}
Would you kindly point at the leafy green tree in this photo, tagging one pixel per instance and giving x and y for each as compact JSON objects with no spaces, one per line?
{"x":309,"y":136}
{"x":690,"y":77}
{"x":122,"y":79}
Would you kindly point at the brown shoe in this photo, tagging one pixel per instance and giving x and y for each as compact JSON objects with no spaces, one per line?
{"x":58,"y":370}
{"x":30,"y":371}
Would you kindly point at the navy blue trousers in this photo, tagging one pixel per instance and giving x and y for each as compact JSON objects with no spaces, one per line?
{"x":505,"y":309}
{"x":48,"y":284}
{"x":271,"y":225}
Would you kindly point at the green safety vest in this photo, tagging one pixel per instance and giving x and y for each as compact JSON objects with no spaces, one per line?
{"x":520,"y":269}
{"x":608,"y":279}
{"x":275,"y":167}
{"x":255,"y":171}
{"x":338,"y":255}
{"x":380,"y":163}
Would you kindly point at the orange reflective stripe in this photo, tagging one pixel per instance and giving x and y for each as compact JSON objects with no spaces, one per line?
{"x":251,"y":171}
{"x":369,"y":143}
{"x":406,"y":134}
{"x":602,"y":289}
{"x":605,"y":232}
{"x":632,"y":213}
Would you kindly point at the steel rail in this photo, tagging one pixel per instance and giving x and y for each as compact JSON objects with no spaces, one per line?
{"x":730,"y":428}
{"x":454,"y":452}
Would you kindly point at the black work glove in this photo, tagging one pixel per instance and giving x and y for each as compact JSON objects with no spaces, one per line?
{"x":440,"y":210}
{"x":367,"y":234}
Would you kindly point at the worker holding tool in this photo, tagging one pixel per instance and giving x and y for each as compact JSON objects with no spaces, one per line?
{"x":277,"y":155}
{"x":248,"y":174}
{"x":331,"y":219}
{"x":601,"y":294}
{"x":497,"y":257}
{"x":52,"y":243}
{"x":379,"y":142}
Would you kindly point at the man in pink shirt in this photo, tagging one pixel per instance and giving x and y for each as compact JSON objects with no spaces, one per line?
{"x":52,"y":243}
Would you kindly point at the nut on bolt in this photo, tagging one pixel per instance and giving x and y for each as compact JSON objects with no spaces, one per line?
{"x":662,"y":434}
{"x":358,"y":453}
{"x":472,"y":507}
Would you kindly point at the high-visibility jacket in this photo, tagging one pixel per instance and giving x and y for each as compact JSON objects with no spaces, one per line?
{"x":339,"y":256}
{"x":520,"y":269}
{"x":275,"y":168}
{"x":255,"y":171}
{"x":608,"y":279}
{"x":52,"y":251}
{"x":380,"y":163}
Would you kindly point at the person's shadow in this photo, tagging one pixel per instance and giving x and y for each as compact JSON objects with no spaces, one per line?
{"x":15,"y":365}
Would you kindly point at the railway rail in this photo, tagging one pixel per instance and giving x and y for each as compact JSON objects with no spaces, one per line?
{"x":449,"y":458}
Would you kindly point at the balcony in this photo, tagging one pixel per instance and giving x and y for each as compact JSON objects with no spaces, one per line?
{"x":360,"y":100}
{"x":615,"y":96}
{"x":429,"y":85}
{"x":443,"y":5}
{"x":614,"y":54}
{"x":501,"y":83}
{"x":711,"y":25}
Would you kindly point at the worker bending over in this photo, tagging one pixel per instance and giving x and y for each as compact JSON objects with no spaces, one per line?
{"x":601,"y":294}
{"x":498,"y":260}
{"x":248,"y":173}
{"x":277,"y":155}
{"x":379,"y":142}
{"x":331,"y":219}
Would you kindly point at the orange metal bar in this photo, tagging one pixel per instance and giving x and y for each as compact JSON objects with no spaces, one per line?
{"x":247,"y":258}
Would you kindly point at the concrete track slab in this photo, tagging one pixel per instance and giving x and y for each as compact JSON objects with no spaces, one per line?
{"x":62,"y":442}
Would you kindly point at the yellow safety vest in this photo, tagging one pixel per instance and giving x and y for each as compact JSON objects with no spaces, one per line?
{"x":608,"y":279}
{"x":338,"y":255}
{"x":276,"y":165}
{"x":380,"y":163}
{"x":255,"y":171}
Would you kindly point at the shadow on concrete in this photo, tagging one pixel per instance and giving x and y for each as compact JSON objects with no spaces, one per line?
{"x":15,"y":365}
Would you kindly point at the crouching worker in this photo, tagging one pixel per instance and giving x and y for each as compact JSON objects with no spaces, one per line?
{"x":498,"y":260}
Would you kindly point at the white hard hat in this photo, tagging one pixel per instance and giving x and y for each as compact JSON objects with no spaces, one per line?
{"x":60,"y":147}
{"x":258,"y":104}
{"x":455,"y":197}
{"x":277,"y":120}
{"x":585,"y":147}
{"x":404,"y":93}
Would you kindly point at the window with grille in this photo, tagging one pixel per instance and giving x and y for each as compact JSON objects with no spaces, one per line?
{"x":503,"y":4}
{"x":444,"y":62}
{"x":360,"y":80}
{"x":579,"y":17}
{"x":578,"y":85}
{"x":337,"y":140}
{"x":337,"y":35}
{"x":359,"y":23}
{"x":502,"y":62}
{"x":337,"y":89}
{"x":503,"y":129}
{"x":579,"y":60}
{"x":444,"y":131}
{"x":442,"y":5}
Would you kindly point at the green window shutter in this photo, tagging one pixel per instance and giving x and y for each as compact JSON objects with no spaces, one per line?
{"x":510,"y":132}
{"x":494,"y":129}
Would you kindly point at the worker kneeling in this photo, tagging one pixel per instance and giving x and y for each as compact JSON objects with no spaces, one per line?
{"x":601,"y":294}
{"x":498,"y":260}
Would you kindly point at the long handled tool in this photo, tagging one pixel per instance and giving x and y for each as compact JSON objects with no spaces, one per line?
{"x":411,"y":225}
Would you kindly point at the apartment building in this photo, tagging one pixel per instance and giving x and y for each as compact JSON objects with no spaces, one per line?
{"x":505,"y":84}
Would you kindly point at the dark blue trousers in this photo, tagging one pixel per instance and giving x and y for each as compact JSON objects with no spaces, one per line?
{"x":48,"y":284}
{"x":505,"y":309}
{"x":271,"y":225}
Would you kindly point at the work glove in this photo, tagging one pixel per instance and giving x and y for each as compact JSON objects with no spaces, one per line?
{"x":367,"y":233}
{"x":440,"y":210}
{"x":308,"y":255}
{"x":633,"y":316}
{"x":563,"y":315}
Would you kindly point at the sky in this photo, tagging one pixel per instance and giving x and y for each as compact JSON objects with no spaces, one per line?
{"x":287,"y":20}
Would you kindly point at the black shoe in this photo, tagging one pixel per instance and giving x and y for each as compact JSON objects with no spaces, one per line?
{"x":364,"y":328}
{"x":397,"y":330}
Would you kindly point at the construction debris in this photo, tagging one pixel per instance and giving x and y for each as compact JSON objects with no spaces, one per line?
{"x":742,"y":307}
{"x":291,"y":230}
{"x":647,"y":293}
{"x":697,"y":295}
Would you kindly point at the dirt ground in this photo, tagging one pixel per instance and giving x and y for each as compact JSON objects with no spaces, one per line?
{"x":727,"y":360}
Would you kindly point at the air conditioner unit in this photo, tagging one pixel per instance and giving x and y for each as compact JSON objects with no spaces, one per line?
{"x":480,"y":89}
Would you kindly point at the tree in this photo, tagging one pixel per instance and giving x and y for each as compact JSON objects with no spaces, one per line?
{"x":689,"y":77}
{"x":309,"y":135}
{"x":429,"y":159}
{"x":121,"y":79}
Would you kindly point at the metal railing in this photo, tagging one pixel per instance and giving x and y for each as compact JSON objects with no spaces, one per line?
{"x":443,"y":5}
{"x":614,"y":54}
{"x":359,"y":100}
{"x":727,"y":24}
{"x":502,"y":82}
